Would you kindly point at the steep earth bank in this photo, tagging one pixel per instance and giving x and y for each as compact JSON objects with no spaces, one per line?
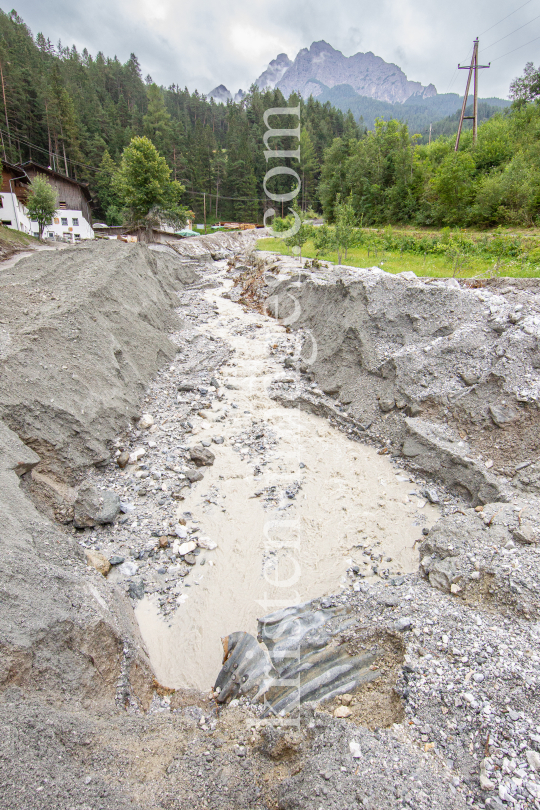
{"x":449,"y":716}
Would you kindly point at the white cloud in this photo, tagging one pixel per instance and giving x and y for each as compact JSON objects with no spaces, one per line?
{"x":204,"y":44}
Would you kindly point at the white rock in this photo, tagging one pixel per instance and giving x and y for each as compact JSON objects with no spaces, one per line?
{"x":137,"y":454}
{"x":354,"y":748}
{"x":485,"y":783}
{"x":533,"y":758}
{"x":181,"y":532}
{"x":128,"y":568}
{"x":205,"y":542}
{"x":505,"y":794}
{"x":146,"y":421}
{"x":185,"y":548}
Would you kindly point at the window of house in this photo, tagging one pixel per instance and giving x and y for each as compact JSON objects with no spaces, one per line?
{"x":77,"y":235}
{"x":75,"y":222}
{"x":64,"y":222}
{"x":6,"y":222}
{"x":66,"y":236}
{"x":62,"y":205}
{"x":51,"y":234}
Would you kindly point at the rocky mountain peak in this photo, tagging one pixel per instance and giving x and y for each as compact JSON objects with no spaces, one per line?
{"x":274,"y":72}
{"x":321,"y":66}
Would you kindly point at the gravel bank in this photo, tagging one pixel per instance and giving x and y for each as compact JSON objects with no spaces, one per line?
{"x":450,"y":722}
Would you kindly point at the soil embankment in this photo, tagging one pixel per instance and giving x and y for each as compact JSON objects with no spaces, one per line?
{"x":98,"y":335}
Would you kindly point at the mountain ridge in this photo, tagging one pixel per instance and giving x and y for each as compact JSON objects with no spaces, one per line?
{"x":321,"y":67}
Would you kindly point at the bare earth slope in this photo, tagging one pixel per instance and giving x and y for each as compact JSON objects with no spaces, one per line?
{"x":451,"y":719}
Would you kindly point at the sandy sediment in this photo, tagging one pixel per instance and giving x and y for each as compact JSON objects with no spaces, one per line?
{"x":441,"y":379}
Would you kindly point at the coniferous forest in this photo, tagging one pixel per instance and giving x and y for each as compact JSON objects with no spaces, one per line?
{"x":77,"y":113}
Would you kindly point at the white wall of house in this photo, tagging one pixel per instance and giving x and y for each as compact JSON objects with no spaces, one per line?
{"x":13,"y":214}
{"x":67,"y":224}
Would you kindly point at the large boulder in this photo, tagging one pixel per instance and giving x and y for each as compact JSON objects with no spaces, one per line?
{"x":94,"y":506}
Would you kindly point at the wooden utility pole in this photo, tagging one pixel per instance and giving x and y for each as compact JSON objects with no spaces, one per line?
{"x":473,"y":69}
{"x":204,"y":198}
{"x":5,"y":105}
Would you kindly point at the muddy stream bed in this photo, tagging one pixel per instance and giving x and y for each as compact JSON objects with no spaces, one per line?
{"x":287,"y":526}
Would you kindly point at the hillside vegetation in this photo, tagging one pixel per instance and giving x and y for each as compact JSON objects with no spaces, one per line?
{"x":391,"y":178}
{"x":78,"y":113}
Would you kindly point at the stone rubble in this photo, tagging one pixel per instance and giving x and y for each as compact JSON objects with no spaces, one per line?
{"x":458,"y":722}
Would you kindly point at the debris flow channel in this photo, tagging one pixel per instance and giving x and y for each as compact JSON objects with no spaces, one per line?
{"x":291,"y":503}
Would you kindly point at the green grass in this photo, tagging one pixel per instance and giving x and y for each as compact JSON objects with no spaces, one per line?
{"x":428,"y":265}
{"x":16,"y":238}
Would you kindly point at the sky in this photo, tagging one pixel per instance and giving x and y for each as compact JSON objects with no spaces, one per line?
{"x":201,"y":45}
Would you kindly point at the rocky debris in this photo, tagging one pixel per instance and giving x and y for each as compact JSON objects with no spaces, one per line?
{"x":118,"y":299}
{"x":451,"y":720}
{"x":60,"y":623}
{"x":123,"y":459}
{"x":136,"y":588}
{"x":146,"y":421}
{"x":201,"y":456}
{"x":154,"y":546}
{"x":99,"y":562}
{"x":428,"y":344}
{"x":93,"y":507}
{"x":472,"y":554}
{"x":440,"y":452}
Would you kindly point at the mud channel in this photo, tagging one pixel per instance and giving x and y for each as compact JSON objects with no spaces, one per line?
{"x":175,"y":466}
{"x":333,"y":498}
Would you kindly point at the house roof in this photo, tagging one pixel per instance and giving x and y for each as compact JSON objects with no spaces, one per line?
{"x":18,"y":171}
{"x":31,"y":165}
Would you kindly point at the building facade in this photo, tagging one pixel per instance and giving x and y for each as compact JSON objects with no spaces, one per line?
{"x":13,"y":194}
{"x":73,"y":219}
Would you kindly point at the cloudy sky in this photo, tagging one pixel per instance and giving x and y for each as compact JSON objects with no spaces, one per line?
{"x":203,"y":44}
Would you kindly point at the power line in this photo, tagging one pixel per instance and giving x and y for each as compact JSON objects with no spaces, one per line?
{"x":516,"y":49}
{"x":505,"y":18}
{"x":455,"y":74}
{"x":512,"y":32}
{"x":86,"y":166}
{"x":222,"y":197}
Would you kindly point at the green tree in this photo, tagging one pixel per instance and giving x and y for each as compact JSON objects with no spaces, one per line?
{"x":308,"y":167}
{"x":107,"y":184}
{"x":345,"y":222}
{"x":324,"y":239}
{"x":146,"y":189}
{"x":453,"y":184}
{"x":157,"y":121}
{"x":527,"y":87}
{"x":304,"y":232}
{"x":41,"y":203}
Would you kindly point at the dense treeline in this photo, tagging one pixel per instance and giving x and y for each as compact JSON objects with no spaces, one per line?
{"x":391,"y":178}
{"x":77,"y":113}
{"x":418,"y":113}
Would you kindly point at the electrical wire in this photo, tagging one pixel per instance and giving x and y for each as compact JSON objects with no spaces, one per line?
{"x":510,"y":34}
{"x":504,"y":18}
{"x":454,"y":76}
{"x":516,"y":49}
{"x":86,"y":166}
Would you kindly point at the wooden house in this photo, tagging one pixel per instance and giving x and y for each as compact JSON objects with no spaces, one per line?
{"x":73,"y":219}
{"x":13,"y":195}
